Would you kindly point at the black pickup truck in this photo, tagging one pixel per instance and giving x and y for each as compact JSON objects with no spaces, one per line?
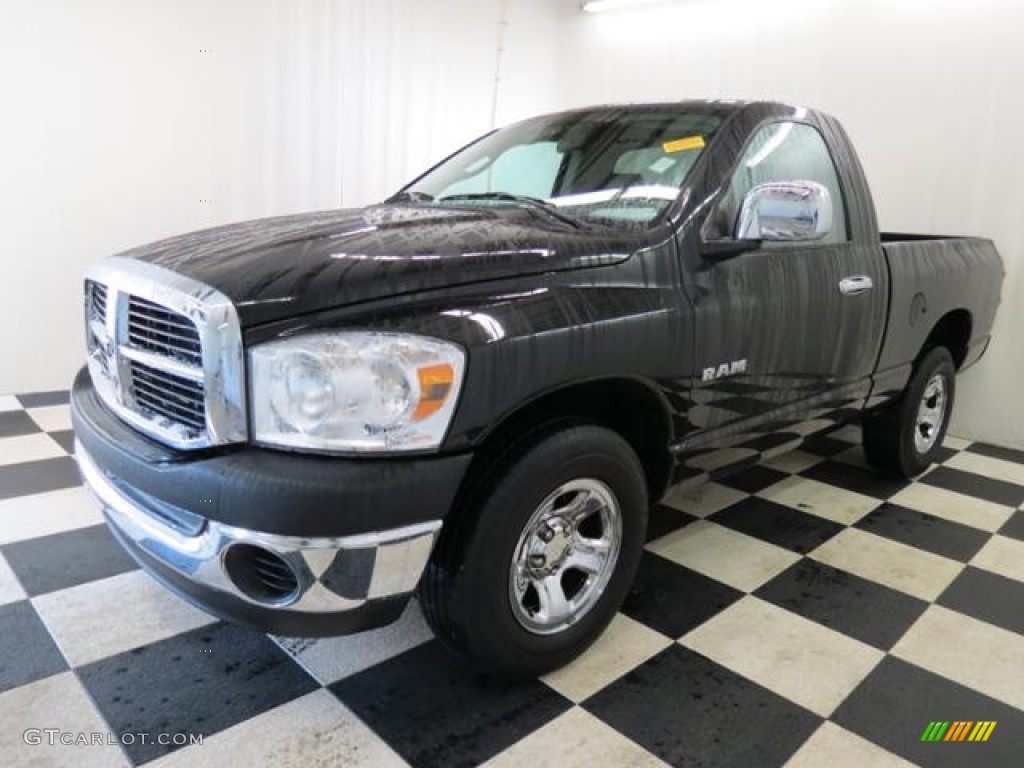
{"x":475,"y":389}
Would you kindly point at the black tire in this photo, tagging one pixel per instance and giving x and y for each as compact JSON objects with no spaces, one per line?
{"x":889,"y":434}
{"x":465,"y":591}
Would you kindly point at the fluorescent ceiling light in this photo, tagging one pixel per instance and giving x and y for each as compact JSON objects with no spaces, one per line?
{"x":593,"y":6}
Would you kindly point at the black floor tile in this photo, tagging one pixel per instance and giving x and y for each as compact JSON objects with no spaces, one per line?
{"x":43,"y":399}
{"x":822,"y":445}
{"x":67,"y":559}
{"x":13,"y":423}
{"x":857,"y":479}
{"x":688,"y":710}
{"x":27,"y":652}
{"x":897,"y":701}
{"x":754,"y":479}
{"x":1014,"y":527}
{"x":663,"y":519}
{"x":66,"y":439}
{"x":987,"y":596}
{"x":997,"y":452}
{"x":199,"y":682}
{"x":435,"y":711}
{"x":944,"y":454}
{"x":917,"y":529}
{"x":856,"y":607}
{"x":996,"y":491}
{"x":778,"y":524}
{"x":672,"y":599}
{"x":38,"y":477}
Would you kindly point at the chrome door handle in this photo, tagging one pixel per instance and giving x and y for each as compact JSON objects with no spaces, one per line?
{"x":852,"y":286}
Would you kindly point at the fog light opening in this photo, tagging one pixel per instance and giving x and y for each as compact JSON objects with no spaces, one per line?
{"x":261,"y":575}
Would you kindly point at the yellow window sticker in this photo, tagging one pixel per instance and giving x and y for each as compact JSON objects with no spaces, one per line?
{"x":680,"y":145}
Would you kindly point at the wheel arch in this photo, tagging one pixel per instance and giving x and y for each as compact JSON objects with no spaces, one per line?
{"x":952,"y":331}
{"x":633,"y":408}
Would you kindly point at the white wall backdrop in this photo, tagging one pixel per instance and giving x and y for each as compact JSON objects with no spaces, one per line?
{"x":930,"y":91}
{"x":114,"y":126}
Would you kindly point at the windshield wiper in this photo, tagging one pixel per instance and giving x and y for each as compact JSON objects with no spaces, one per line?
{"x":410,"y":196}
{"x":534,"y":202}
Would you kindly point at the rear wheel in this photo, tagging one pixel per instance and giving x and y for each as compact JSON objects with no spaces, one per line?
{"x":905,"y":437}
{"x":529,"y":575}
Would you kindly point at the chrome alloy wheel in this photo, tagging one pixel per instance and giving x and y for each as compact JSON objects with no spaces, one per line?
{"x":931,"y":414}
{"x":565,"y":556}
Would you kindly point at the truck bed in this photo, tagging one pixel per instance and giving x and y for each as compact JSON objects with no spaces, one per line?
{"x":930,"y":277}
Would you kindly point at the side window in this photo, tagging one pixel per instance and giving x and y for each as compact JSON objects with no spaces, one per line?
{"x":781,"y":152}
{"x":528,"y":169}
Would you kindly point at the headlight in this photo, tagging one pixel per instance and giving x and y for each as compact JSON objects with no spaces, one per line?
{"x":354,"y":391}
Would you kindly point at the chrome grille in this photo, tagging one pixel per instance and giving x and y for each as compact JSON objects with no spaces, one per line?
{"x":165,"y":353}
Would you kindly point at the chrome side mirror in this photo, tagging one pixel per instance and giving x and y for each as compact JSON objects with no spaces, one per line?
{"x":785,"y":211}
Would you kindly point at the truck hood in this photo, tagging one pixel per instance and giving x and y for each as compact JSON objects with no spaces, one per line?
{"x":285,"y":266}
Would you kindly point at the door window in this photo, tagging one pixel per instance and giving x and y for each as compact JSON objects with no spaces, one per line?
{"x":781,"y":152}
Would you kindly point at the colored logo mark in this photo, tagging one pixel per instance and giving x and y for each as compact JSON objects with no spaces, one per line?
{"x":958,"y":730}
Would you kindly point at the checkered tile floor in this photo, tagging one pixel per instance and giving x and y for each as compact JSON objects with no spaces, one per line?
{"x":806,"y":612}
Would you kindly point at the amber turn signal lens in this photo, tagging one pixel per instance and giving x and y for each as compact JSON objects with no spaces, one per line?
{"x":435,"y":384}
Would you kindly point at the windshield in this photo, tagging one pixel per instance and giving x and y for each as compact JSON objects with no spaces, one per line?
{"x":613,"y":167}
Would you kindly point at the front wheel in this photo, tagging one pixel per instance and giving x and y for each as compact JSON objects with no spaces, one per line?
{"x":905,"y":437}
{"x":530,"y":575}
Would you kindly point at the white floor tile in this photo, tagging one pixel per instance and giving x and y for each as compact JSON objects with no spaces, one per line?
{"x":329,"y":659}
{"x":52,"y":418}
{"x":793,"y":461}
{"x":1002,"y":555}
{"x":32,"y":447}
{"x":54,"y":702}
{"x":953,"y":506}
{"x":853,"y":456}
{"x":839,"y":748}
{"x":575,"y":739}
{"x":797,"y":658}
{"x":821,"y":499}
{"x":314,"y":730}
{"x":811,"y":428}
{"x":914,"y":571}
{"x":971,"y":652}
{"x":955,"y":443}
{"x":109,"y":616}
{"x":731,"y":557}
{"x":848,"y":434}
{"x":41,"y":514}
{"x":9,"y":403}
{"x":703,"y":500}
{"x":624,"y":645}
{"x":10,"y":588}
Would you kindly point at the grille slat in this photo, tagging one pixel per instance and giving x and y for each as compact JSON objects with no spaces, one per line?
{"x":183,"y":388}
{"x":163,"y":332}
{"x":170,"y":396}
{"x":179,"y":414}
{"x":184,"y":404}
{"x":98,"y":297}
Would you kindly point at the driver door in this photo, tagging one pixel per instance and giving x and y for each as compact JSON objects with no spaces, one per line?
{"x":778,"y":343}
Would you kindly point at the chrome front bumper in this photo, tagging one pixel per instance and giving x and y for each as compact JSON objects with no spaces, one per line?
{"x":332,"y":575}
